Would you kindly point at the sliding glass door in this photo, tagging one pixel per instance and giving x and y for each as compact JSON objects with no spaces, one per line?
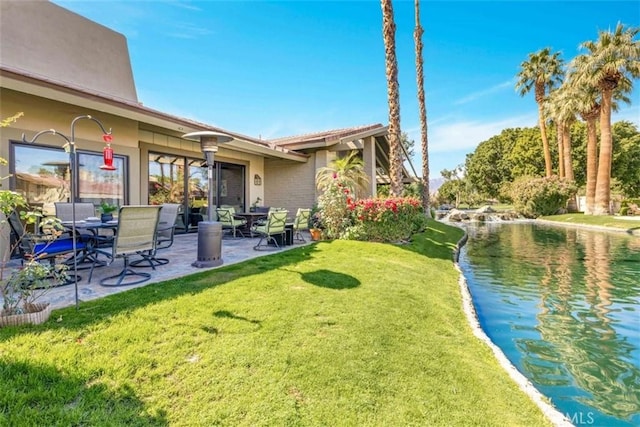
{"x":168,"y":183}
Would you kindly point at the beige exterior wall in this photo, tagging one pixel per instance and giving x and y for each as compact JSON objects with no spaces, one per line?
{"x":128,"y":140}
{"x":369,"y":158}
{"x":41,"y":114}
{"x":46,"y":40}
{"x":292,"y":185}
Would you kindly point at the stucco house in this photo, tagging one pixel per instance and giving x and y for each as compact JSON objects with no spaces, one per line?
{"x":56,"y":65}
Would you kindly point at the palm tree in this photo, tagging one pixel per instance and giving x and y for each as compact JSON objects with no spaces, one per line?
{"x":562,"y":106}
{"x":417,"y":35}
{"x":587,"y":99}
{"x":350,"y":169}
{"x":549,"y":107}
{"x":542,"y":71}
{"x":612,"y":61}
{"x":393,"y":97}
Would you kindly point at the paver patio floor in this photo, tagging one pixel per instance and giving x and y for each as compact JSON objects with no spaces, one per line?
{"x":181,"y":254}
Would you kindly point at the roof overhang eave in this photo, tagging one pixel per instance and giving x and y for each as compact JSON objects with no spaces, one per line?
{"x":33,"y":85}
{"x":380,"y":131}
{"x":253,"y":148}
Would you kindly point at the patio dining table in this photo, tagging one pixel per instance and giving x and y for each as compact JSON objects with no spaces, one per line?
{"x":251,"y":217}
{"x":96,"y":240}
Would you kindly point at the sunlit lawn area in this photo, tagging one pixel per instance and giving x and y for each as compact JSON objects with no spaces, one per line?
{"x":332,"y":334}
{"x":599,"y":220}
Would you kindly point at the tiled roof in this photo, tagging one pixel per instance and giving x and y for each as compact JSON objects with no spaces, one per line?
{"x":329,"y":135}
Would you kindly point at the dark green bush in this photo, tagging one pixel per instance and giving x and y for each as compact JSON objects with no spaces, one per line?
{"x":534,"y":196}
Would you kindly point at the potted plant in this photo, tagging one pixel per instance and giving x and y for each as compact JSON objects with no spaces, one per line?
{"x":255,"y":204}
{"x":22,"y":290}
{"x":107,"y":210}
{"x":315,"y":224}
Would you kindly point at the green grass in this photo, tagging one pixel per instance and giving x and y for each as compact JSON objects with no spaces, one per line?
{"x":597,"y":220}
{"x":332,"y":334}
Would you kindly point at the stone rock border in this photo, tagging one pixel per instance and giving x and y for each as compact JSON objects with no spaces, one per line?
{"x":555,"y":416}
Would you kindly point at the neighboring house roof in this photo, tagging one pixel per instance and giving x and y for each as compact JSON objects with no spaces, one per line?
{"x":350,"y":139}
{"x":330,"y":137}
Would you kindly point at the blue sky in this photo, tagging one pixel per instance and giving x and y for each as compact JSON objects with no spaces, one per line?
{"x":273,"y":69}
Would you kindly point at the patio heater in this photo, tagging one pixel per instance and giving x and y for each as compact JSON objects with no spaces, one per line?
{"x":209,"y":231}
{"x":70,"y":148}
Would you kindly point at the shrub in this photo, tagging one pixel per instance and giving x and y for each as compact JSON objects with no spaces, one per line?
{"x":533,"y":197}
{"x":385,"y":220}
{"x":332,"y":205}
{"x":630,"y":207}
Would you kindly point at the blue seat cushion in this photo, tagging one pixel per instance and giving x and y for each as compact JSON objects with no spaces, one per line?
{"x":58,"y":246}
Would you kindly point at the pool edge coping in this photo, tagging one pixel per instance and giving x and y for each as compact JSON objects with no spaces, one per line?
{"x":629,"y":231}
{"x":556,"y":417}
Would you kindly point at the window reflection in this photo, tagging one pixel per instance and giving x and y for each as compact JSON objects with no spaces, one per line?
{"x":42,"y":175}
{"x":96,"y":185}
{"x":167,"y":182}
{"x":166,"y":179}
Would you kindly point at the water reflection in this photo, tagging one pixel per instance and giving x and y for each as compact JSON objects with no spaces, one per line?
{"x":564,"y":306}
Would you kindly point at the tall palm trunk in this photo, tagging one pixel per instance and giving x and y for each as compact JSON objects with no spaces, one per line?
{"x":603,"y":183}
{"x":543,"y":129}
{"x":592,"y":159}
{"x":559,"y":133}
{"x":417,"y":35}
{"x":393,"y":96}
{"x":572,"y":205}
{"x":566,"y":151}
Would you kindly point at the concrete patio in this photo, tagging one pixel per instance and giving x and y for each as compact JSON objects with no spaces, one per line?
{"x":181,"y":254}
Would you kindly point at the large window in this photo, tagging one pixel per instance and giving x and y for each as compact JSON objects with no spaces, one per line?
{"x":42,"y":175}
{"x":96,"y":185}
{"x":169,"y":184}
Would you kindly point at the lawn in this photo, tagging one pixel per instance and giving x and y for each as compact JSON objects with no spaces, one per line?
{"x":596,"y":220}
{"x":331,"y":334}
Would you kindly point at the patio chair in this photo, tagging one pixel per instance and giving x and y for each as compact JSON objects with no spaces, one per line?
{"x":45,"y":247}
{"x":276,"y":222}
{"x":265,"y":210}
{"x":135,"y":235}
{"x":83,"y":211}
{"x":90,"y":237}
{"x":229,"y":221}
{"x":301,"y":223}
{"x":164,"y":236}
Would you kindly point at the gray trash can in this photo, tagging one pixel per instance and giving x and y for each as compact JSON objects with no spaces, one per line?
{"x":209,"y":244}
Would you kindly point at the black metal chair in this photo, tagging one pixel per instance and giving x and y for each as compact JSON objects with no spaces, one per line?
{"x":227,"y":217}
{"x":46,"y":247}
{"x":276,"y":222}
{"x":301,"y":223}
{"x":93,"y":238}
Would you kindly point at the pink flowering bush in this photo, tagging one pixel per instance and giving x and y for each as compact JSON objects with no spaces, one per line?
{"x":333,"y":207}
{"x":392,"y":219}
